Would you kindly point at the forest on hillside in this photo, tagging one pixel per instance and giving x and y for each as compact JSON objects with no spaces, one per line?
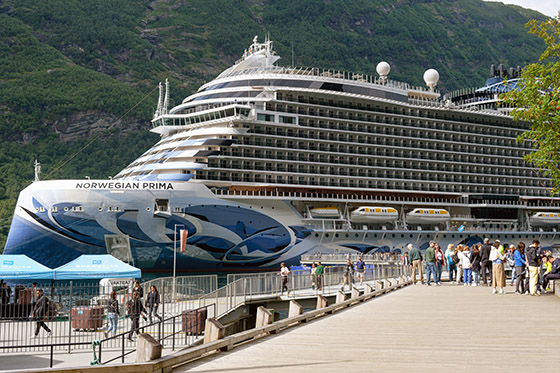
{"x":78,"y":78}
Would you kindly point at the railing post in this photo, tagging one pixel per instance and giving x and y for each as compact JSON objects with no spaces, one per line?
{"x":70,"y":319}
{"x":173,"y":343}
{"x":122,"y":348}
{"x":52,"y":356}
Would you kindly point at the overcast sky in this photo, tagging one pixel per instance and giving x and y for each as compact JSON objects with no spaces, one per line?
{"x":548,"y":7}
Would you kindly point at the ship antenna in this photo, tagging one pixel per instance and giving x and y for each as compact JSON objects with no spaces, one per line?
{"x":166,"y":99}
{"x":37,"y":170}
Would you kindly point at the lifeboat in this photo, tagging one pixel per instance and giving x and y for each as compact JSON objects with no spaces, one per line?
{"x":545,"y":218}
{"x":427,"y":216}
{"x":325,"y":212}
{"x":374,"y":214}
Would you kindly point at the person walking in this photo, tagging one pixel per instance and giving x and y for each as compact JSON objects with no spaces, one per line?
{"x":112,"y":314}
{"x":360,"y":270}
{"x":348,"y":275}
{"x":533,"y":262}
{"x":520,"y":262}
{"x":416,"y":259}
{"x":431,"y":263}
{"x":440,"y":263}
{"x":138,"y":289}
{"x":284,"y":272}
{"x":152,"y":303}
{"x":136,"y":309}
{"x":475,"y":261}
{"x":40,"y":311}
{"x":498,"y":275}
{"x":485,"y":262}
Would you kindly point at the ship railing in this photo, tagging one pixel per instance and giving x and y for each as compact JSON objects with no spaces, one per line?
{"x":258,"y":287}
{"x":328,"y":73}
{"x":369,"y":258}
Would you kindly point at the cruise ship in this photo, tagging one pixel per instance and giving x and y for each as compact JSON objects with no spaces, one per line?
{"x":266,"y":163}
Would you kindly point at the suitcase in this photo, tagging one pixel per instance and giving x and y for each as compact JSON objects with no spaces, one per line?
{"x":87,"y":318}
{"x":194,"y":321}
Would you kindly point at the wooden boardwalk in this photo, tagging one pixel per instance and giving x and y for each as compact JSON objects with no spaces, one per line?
{"x":445,"y":328}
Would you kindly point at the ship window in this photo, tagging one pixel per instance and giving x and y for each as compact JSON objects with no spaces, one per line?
{"x":54,"y":209}
{"x":41,"y":209}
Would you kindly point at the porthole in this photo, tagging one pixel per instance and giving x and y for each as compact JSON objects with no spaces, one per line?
{"x":66,"y":209}
{"x":101,"y":209}
{"x":336,"y":235}
{"x":147,"y":209}
{"x":327,"y":235}
{"x":393,"y":235}
{"x":411,"y":236}
{"x":402,"y":235}
{"x":444,"y":236}
{"x":452,"y":236}
{"x":316,"y":234}
{"x":356,"y":235}
{"x":375,"y":235}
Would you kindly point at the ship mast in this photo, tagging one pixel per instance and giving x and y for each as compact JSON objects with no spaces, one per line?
{"x":37,"y":171}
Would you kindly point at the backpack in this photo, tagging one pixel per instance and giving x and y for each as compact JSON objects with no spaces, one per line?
{"x":455,"y":258}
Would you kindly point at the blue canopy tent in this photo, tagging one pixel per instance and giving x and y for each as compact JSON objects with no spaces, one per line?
{"x":95,"y":267}
{"x":21,"y":267}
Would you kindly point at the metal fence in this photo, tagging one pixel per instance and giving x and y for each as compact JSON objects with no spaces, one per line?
{"x":79,"y":314}
{"x":183,"y":293}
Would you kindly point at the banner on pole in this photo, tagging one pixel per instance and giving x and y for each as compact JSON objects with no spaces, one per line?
{"x":183,"y":233}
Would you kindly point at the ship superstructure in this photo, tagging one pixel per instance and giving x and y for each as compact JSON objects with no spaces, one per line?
{"x":288,"y":160}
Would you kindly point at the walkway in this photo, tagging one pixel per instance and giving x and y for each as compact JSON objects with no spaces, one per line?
{"x":416,"y":329}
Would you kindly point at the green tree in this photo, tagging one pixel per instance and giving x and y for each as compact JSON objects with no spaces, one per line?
{"x":538,"y":101}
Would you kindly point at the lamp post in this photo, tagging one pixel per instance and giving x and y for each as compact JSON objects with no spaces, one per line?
{"x":175,"y":257}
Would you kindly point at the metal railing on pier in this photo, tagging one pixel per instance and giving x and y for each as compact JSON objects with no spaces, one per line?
{"x":242,"y":289}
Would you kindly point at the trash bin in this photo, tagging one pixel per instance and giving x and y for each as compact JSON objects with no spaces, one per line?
{"x":87,"y":318}
{"x":194,"y":321}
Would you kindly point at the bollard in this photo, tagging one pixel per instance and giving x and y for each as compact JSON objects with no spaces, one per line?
{"x":147,"y":348}
{"x":368,"y":289}
{"x":355,"y":292}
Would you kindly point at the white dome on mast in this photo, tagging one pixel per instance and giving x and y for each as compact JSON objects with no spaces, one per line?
{"x":431,"y":77}
{"x":383,"y":69}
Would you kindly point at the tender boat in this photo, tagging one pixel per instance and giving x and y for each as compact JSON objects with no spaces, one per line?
{"x":325,"y":212}
{"x":374,"y":214}
{"x":427,"y":216}
{"x":545,"y":218}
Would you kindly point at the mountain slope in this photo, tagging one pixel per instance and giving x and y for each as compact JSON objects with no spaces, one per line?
{"x":73,"y":72}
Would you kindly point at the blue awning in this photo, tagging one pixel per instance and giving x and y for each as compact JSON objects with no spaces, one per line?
{"x":95,"y":267}
{"x":21,"y":267}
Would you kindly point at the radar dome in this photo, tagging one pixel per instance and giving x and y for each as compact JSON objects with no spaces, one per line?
{"x":431,"y":78}
{"x":383,"y":68}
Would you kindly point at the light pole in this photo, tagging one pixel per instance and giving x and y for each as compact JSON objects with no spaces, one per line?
{"x":175,"y":257}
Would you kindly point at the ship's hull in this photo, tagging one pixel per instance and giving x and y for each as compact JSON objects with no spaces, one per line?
{"x":57,"y":221}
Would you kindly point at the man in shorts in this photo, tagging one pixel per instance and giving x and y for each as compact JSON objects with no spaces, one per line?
{"x":360,"y":270}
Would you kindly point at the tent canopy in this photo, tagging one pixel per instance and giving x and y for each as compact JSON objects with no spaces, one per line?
{"x":21,"y":267}
{"x":94,"y":267}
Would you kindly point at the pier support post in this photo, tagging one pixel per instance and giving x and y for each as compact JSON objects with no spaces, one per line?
{"x":322,"y":302}
{"x":340,"y":297}
{"x":379,"y":285}
{"x":295,"y":309}
{"x":147,"y":348}
{"x":264,"y":317}
{"x":213,"y":330}
{"x":355,"y":293}
{"x":368,"y":289}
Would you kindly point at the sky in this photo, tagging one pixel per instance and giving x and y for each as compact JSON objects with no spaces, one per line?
{"x":547,"y":7}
